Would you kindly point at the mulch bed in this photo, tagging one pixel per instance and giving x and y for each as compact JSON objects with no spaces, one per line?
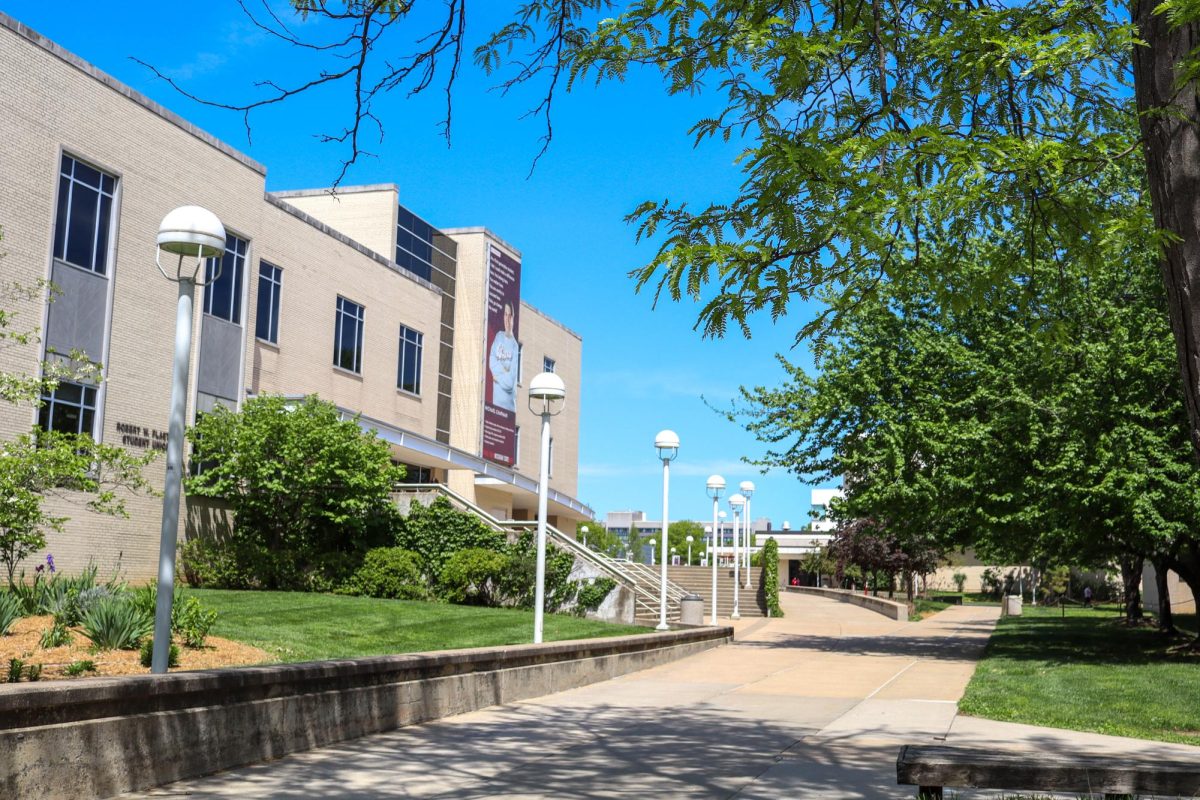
{"x":23,"y":638}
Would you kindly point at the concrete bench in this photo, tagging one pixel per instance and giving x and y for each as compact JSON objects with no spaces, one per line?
{"x":931,"y":768}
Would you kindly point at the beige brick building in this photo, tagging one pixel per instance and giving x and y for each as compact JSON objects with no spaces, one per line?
{"x":354,"y":298}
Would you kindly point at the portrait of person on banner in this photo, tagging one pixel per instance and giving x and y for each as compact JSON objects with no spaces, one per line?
{"x":503,"y":363}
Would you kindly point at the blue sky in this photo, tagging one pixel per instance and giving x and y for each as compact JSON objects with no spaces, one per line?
{"x":644,"y":369}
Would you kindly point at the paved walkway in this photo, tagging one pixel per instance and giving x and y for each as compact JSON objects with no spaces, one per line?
{"x":813,"y":705}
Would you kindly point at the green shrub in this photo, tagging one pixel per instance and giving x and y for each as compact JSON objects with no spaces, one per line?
{"x":389,"y":572}
{"x":16,"y":668}
{"x":770,"y":580}
{"x":472,"y":577}
{"x":56,"y":635}
{"x":517,"y":583}
{"x":77,"y":668}
{"x":189,"y":618}
{"x":437,"y":531}
{"x":10,"y":611}
{"x":116,"y":624}
{"x":591,"y":594}
{"x":33,"y":672}
{"x":146,"y":654}
{"x":960,"y":581}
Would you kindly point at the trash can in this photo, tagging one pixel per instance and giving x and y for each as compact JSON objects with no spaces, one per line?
{"x":691,"y":610}
{"x":1012,"y":605}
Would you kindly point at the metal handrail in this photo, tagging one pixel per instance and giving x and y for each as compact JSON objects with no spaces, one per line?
{"x":644,"y":597}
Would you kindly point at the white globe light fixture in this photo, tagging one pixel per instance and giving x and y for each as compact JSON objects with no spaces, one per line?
{"x":747,"y":489}
{"x":667,"y":444}
{"x":189,"y":232}
{"x":715,"y":487}
{"x":584,"y":530}
{"x":735,"y":503}
{"x":547,"y":397}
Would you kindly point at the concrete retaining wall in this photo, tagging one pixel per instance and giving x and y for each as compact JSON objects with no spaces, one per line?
{"x":97,"y":737}
{"x":889,"y":608}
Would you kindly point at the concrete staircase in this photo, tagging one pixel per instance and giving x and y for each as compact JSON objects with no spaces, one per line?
{"x":698,"y":580}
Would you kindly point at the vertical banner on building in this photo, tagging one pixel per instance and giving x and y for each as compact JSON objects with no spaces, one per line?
{"x":503,"y":357}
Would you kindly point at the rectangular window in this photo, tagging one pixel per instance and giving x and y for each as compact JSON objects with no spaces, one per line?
{"x":223,"y":296}
{"x":270,"y":282}
{"x":408,"y":373}
{"x":84,"y":217}
{"x":348,"y":335}
{"x":70,"y":408}
{"x":547,"y":364}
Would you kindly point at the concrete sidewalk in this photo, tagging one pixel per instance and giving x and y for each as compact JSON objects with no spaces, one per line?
{"x":813,"y":705}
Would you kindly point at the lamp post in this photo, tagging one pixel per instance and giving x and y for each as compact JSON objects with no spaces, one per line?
{"x":667,"y":444}
{"x":187,"y":232}
{"x":736,"y":502}
{"x":715,"y":485}
{"x":747,"y":489}
{"x":547,"y":396}
{"x":689,"y":540}
{"x":652,"y":543}
{"x":584,"y":530}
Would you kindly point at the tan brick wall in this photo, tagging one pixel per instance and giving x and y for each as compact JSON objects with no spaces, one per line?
{"x":365,"y":214}
{"x":316,"y":269}
{"x":542,"y":336}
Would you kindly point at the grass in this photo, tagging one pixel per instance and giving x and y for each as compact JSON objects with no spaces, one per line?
{"x":1087,"y":672}
{"x":923,"y":608}
{"x":295,"y":626}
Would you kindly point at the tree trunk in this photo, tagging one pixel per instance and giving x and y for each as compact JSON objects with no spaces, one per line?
{"x":1131,"y":578}
{"x":1186,"y":563}
{"x":1171,"y":145}
{"x":1166,"y":620}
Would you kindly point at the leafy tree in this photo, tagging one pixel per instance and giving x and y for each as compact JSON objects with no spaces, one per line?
{"x":875,"y":135}
{"x":600,"y":539}
{"x":677,"y":533}
{"x":38,"y":466}
{"x":308,"y":488}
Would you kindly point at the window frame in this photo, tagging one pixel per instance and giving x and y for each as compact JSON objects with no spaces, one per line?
{"x":275,"y":283}
{"x":548,"y":364}
{"x":342,"y":311}
{"x":232,"y":244}
{"x":418,"y":345}
{"x":102,"y":229}
{"x":49,"y":401}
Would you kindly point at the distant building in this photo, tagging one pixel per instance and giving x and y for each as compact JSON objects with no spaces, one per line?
{"x":821,"y":501}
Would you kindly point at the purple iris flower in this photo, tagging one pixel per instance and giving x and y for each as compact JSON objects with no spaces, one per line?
{"x":50,"y":561}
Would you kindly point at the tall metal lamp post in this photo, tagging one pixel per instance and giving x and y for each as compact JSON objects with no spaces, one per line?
{"x":187,"y":232}
{"x":736,"y":502}
{"x":652,"y":544}
{"x":547,"y":396}
{"x":667,"y":443}
{"x":715,"y":486}
{"x":747,"y":489}
{"x":690,"y":539}
{"x":584,"y":530}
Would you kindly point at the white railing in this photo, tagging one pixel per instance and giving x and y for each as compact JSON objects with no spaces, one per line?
{"x":644,"y":581}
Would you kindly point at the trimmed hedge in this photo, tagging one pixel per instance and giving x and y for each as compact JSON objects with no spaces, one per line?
{"x":770,"y":581}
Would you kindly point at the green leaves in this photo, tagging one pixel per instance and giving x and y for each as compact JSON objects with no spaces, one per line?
{"x":303,"y":482}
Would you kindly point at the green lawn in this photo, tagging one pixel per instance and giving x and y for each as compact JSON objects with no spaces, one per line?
{"x":295,"y":626}
{"x":923,"y":608}
{"x":1087,"y":672}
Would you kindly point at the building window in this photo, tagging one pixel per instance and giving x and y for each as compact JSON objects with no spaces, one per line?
{"x":223,"y":296}
{"x":414,"y":244}
{"x":84,"y":218}
{"x":70,"y":408}
{"x":348,"y":335}
{"x":408,"y":373}
{"x":270,"y":282}
{"x":547,"y":364}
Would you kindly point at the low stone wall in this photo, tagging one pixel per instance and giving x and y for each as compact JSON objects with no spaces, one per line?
{"x":97,"y":737}
{"x":889,"y":608}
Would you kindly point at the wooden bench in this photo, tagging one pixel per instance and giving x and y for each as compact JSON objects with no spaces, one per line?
{"x":931,"y":768}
